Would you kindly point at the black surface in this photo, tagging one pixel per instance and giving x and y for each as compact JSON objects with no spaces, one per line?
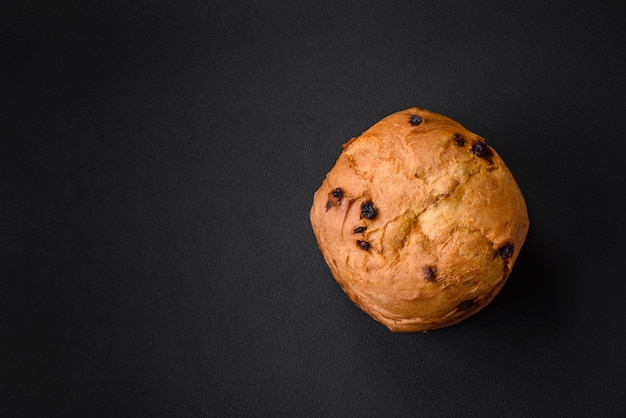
{"x":157,"y":165}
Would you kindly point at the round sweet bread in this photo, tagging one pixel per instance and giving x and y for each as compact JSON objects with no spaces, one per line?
{"x":420,"y":221}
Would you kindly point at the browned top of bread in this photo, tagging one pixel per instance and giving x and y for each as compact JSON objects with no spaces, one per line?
{"x":419,"y":221}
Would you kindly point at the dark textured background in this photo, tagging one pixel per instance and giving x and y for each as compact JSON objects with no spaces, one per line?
{"x":158,"y":161}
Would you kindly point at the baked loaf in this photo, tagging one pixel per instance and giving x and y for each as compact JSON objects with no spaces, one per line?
{"x":420,"y":221}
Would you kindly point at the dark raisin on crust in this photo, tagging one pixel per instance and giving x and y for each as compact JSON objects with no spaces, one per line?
{"x":337,"y":193}
{"x":415,"y":120}
{"x":466,"y":304}
{"x":430,"y":273}
{"x":506,"y":250}
{"x":480,"y":149}
{"x":363,"y":244}
{"x":368,"y":210}
{"x":334,"y":198}
{"x":459,"y":140}
{"x":360,"y":229}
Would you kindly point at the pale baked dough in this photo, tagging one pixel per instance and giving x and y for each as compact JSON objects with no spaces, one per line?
{"x":419,"y":221}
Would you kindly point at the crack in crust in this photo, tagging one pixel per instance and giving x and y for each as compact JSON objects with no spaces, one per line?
{"x":414,"y":218}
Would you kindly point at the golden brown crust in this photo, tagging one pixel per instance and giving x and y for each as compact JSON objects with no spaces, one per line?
{"x":444,"y":227}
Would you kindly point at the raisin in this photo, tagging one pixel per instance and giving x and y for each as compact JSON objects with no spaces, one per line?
{"x":506,"y":250}
{"x":480,"y":149}
{"x":363,"y":244}
{"x":465,"y":305}
{"x":368,"y":210}
{"x":459,"y":140}
{"x":415,"y":120}
{"x":430,"y":273}
{"x":360,"y":229}
{"x":337,"y":193}
{"x":334,"y":198}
